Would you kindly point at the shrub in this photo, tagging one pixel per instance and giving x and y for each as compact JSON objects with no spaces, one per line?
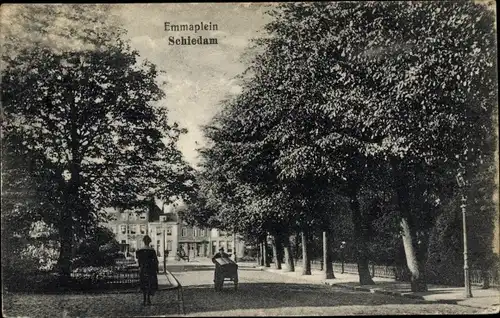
{"x":97,"y":249}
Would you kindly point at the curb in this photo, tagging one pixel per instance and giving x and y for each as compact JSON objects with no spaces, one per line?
{"x":393,"y":293}
{"x":382,"y":291}
{"x":385,"y":292}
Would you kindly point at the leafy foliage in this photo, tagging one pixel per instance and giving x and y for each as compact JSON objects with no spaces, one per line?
{"x":381,"y":102}
{"x":84,"y":128}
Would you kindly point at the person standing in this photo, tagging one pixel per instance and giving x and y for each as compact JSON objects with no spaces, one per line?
{"x":148,"y":269}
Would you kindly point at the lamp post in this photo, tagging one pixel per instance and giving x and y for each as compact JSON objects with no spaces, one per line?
{"x":234,"y":247}
{"x":164,"y":250}
{"x":461,"y":183}
{"x":342,"y":246}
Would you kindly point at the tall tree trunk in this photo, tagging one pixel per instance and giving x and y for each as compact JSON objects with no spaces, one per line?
{"x":327,"y":257}
{"x":267,"y":261}
{"x":306,"y":262}
{"x":259,"y":254}
{"x":287,"y":246}
{"x":262,"y":252}
{"x":66,"y":227}
{"x":360,"y":242}
{"x":415,"y":258}
{"x":416,"y":266}
{"x":276,"y":257}
{"x":297,"y":247}
{"x":65,"y":249}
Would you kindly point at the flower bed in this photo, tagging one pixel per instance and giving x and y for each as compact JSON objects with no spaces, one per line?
{"x":82,"y":279}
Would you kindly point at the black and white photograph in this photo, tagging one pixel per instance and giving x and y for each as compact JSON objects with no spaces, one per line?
{"x":323,"y":158}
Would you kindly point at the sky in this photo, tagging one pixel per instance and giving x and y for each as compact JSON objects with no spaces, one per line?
{"x":198,"y":77}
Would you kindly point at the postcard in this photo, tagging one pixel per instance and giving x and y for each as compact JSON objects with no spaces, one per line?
{"x":249,"y":159}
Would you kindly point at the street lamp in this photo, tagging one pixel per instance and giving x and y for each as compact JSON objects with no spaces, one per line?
{"x":461,"y":183}
{"x":342,"y":246}
{"x":164,"y":251}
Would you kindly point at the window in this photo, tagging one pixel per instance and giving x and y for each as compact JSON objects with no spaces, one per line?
{"x":195,"y":232}
{"x":229,"y":247}
{"x":132,"y":229}
{"x":124,"y":216}
{"x":158,"y":230}
{"x":163,"y":218}
{"x":123,"y":229}
{"x":169,"y":230}
{"x":184,"y":231}
{"x":169,"y":245}
{"x":142,"y":216}
{"x":143,"y":229}
{"x":124,"y":242}
{"x":158,"y":246}
{"x":202,"y":232}
{"x":132,"y":216}
{"x":222,"y":233}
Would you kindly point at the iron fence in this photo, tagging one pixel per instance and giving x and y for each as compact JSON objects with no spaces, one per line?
{"x":118,"y":275}
{"x":477,"y":277}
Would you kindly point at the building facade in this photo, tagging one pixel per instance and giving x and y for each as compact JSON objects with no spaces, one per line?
{"x":169,"y":234}
{"x":129,"y":227}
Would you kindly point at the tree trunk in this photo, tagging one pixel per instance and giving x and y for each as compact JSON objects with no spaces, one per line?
{"x":65,"y":249}
{"x":261,"y":247}
{"x":66,"y":227}
{"x":327,"y":257}
{"x":415,"y":258}
{"x":259,"y":254}
{"x":297,"y":249}
{"x":287,"y":246}
{"x":267,"y":261}
{"x":360,"y":242}
{"x":306,"y":262}
{"x":71,"y":186}
{"x":276,"y":257}
{"x":416,"y":267}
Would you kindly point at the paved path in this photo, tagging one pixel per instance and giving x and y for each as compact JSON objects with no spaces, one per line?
{"x":260,"y":293}
{"x":482,"y":298}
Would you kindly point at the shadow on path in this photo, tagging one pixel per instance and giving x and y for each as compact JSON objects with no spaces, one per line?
{"x":203,"y":298}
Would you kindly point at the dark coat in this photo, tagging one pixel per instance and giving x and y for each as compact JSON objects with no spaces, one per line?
{"x":148,"y":269}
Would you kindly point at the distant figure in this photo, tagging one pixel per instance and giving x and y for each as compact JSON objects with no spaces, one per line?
{"x":148,"y":269}
{"x":182,"y":254}
{"x":220,"y":254}
{"x":191,"y":254}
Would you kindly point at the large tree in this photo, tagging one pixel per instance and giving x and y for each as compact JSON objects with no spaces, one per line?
{"x":88,"y":118}
{"x":352,"y":81}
